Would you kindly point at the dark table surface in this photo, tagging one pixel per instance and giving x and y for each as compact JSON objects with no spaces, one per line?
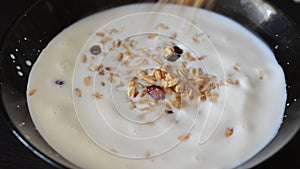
{"x":14,"y":155}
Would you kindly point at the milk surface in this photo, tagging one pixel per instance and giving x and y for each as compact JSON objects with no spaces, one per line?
{"x":251,"y":109}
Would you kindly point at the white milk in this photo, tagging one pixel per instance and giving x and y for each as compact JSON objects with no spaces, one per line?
{"x":252,"y":106}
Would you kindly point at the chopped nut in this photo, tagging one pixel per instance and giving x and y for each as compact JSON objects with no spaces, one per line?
{"x":229,"y":132}
{"x":84,"y":59}
{"x":184,"y":137}
{"x":97,"y":95}
{"x":77,"y":92}
{"x":88,"y":81}
{"x":32,"y":92}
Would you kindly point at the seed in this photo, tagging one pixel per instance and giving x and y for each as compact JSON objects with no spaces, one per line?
{"x":95,"y":50}
{"x":102,"y":83}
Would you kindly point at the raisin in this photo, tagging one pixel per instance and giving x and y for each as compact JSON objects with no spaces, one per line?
{"x":156,"y":92}
{"x":95,"y":50}
{"x":169,"y":111}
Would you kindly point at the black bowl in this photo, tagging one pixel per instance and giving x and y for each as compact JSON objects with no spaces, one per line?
{"x":45,"y":19}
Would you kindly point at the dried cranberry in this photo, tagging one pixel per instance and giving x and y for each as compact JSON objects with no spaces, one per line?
{"x":156,"y":92}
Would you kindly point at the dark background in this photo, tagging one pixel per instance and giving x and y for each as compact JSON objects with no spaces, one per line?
{"x":14,"y":155}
